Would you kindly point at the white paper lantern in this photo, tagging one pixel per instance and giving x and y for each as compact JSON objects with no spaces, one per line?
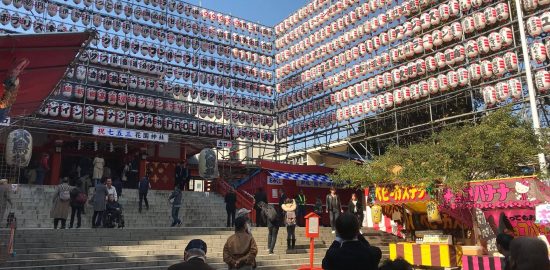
{"x":89,"y":113}
{"x":463,"y":76}
{"x":486,"y":69}
{"x":503,"y":13}
{"x":545,"y":18}
{"x":480,"y":21}
{"x":489,"y":95}
{"x":433,"y":85}
{"x":398,"y":96}
{"x":65,"y":110}
{"x":110,"y":116}
{"x":534,"y":26}
{"x":542,"y":81}
{"x":77,"y":112}
{"x":475,"y":72}
{"x":495,"y":41}
{"x":483,"y":44}
{"x":499,"y":66}
{"x":99,"y":115}
{"x":468,"y":25}
{"x":503,"y":91}
{"x":515,"y":88}
{"x":538,"y":51}
{"x":120,"y":117}
{"x":112,"y":97}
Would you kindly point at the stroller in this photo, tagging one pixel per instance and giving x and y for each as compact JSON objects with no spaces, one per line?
{"x":113,"y":216}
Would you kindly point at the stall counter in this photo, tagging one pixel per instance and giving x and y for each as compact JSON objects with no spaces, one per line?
{"x":439,"y":255}
{"x":482,"y":262}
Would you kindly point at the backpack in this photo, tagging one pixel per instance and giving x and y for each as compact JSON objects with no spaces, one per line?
{"x":271,"y":213}
{"x":290,"y":218}
{"x":81,"y":198}
{"x":64,"y":194}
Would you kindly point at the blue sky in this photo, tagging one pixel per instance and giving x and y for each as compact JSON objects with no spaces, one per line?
{"x":268,"y":12}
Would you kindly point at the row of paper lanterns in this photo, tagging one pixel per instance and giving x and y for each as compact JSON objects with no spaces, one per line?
{"x":121,"y":79}
{"x":500,"y":92}
{"x":326,"y":32}
{"x":469,"y":24}
{"x":478,"y":21}
{"x":316,"y":122}
{"x":131,"y":119}
{"x":333,"y":11}
{"x":63,"y":109}
{"x":147,"y":48}
{"x":78,"y":91}
{"x":117,"y":41}
{"x":145,"y":13}
{"x":301,"y":14}
{"x":482,"y":45}
{"x":432,"y":85}
{"x":169,"y":69}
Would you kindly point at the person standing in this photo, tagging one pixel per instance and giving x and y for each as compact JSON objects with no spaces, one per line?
{"x":355,"y":207}
{"x":99,"y":163}
{"x":179,"y":174}
{"x":260,"y":196}
{"x":301,"y":207}
{"x":78,"y":199}
{"x":43,"y":168}
{"x":176,"y":198}
{"x":5,"y":197}
{"x":273,"y":219}
{"x":334,"y":207}
{"x":99,"y":201}
{"x":118,"y":187}
{"x":240,"y":250}
{"x":230,"y":206}
{"x":282,"y":197}
{"x":143,"y":188}
{"x":503,"y":247}
{"x":289,"y":207}
{"x":110,"y":189}
{"x":61,"y":204}
{"x":528,"y":253}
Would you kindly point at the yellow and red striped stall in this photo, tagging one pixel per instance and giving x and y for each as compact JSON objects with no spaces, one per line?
{"x":440,"y":255}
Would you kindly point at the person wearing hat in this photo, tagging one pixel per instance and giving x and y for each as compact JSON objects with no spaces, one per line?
{"x":243,"y":212}
{"x":289,"y":208}
{"x":194,"y":257}
{"x":240,"y":250}
{"x":5,"y":197}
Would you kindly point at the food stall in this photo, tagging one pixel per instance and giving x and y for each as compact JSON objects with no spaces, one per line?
{"x":412,"y":213}
{"x":497,"y":206}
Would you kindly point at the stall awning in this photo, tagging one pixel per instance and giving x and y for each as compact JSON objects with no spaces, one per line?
{"x":319,"y":178}
{"x":49,"y":55}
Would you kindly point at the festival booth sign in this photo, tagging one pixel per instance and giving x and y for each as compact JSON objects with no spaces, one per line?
{"x":412,"y":209}
{"x":498,"y":206}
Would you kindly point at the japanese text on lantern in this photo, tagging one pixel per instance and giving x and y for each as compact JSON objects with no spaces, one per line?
{"x":399,"y":194}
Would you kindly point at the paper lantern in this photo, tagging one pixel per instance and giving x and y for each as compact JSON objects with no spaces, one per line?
{"x":53,"y":109}
{"x":542,"y":81}
{"x":468,"y":25}
{"x":452,"y":79}
{"x":483,"y":44}
{"x":432,"y":212}
{"x":157,"y":121}
{"x":424,"y":88}
{"x":112,"y":97}
{"x":530,"y":5}
{"x":545,"y":17}
{"x":480,"y":21}
{"x":79,"y":91}
{"x":489,"y":95}
{"x":77,"y":112}
{"x":503,"y":13}
{"x":465,"y":5}
{"x":398,"y":96}
{"x":463,"y":76}
{"x":433,"y":85}
{"x":507,"y":36}
{"x":208,"y":164}
{"x":431,"y":63}
{"x":534,"y":26}
{"x":437,"y":38}
{"x":503,"y":91}
{"x":67,"y":90}
{"x":149,"y":103}
{"x":376,"y":213}
{"x":443,"y":82}
{"x":515,"y":88}
{"x":111,"y":116}
{"x":499,"y":66}
{"x":120,"y":117}
{"x":486,"y":69}
{"x":65,"y":110}
{"x":495,"y":41}
{"x":538,"y":51}
{"x":89,"y":113}
{"x":99,"y":115}
{"x":18,"y":150}
{"x":491,"y":15}
{"x":472,"y":49}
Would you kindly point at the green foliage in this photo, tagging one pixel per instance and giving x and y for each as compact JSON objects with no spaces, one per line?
{"x":494,"y":147}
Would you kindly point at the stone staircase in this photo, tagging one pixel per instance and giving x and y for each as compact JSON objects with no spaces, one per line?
{"x":154,"y":248}
{"x":146,"y":242}
{"x":32,"y":206}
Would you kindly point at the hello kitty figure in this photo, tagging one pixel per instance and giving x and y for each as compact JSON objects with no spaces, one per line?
{"x":522,"y":191}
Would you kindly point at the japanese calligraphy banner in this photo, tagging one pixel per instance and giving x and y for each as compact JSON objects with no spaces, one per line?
{"x":131,"y":134}
{"x":400,"y":194}
{"x":502,"y":193}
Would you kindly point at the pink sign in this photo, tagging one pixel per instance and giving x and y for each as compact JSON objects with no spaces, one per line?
{"x":520,"y":222}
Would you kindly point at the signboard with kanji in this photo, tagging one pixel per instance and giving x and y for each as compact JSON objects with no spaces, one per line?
{"x":224,"y":144}
{"x":131,"y":134}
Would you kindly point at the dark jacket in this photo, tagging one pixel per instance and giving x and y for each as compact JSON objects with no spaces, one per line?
{"x":357,"y":254}
{"x":359,"y":207}
{"x":113,"y":206}
{"x":74,"y":194}
{"x":177,"y":196}
{"x":230,"y":201}
{"x":181,"y":173}
{"x":118,"y":186}
{"x":282,"y":199}
{"x":192,"y":264}
{"x":143,"y":185}
{"x":259,"y":197}
{"x":333,"y":204}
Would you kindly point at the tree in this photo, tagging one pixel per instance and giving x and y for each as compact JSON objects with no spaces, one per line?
{"x":493,"y":147}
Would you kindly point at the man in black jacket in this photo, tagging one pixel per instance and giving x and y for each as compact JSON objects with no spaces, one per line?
{"x":260,"y":196}
{"x":230,"y":207}
{"x":350,"y":250}
{"x":334,"y":207}
{"x":194,"y":258}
